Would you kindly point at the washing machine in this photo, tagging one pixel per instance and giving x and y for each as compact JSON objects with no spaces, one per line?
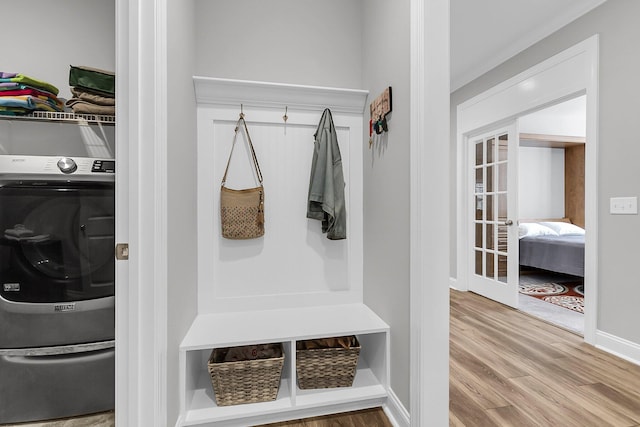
{"x":57,"y":274}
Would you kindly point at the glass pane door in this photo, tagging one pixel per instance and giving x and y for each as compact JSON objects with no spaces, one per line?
{"x":491,"y":228}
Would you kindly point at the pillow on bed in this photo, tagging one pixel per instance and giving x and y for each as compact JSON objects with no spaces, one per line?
{"x":532,"y":229}
{"x":564,"y":228}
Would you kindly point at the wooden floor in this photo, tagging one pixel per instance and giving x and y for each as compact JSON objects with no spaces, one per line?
{"x":103,"y":419}
{"x":510,"y":369}
{"x":368,"y":418}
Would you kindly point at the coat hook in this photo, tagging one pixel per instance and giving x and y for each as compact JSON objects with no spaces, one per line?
{"x":285,"y":118}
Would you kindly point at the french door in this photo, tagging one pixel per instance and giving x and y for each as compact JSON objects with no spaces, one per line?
{"x":492,"y":217}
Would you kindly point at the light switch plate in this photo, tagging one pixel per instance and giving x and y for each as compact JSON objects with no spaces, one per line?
{"x":623,"y":205}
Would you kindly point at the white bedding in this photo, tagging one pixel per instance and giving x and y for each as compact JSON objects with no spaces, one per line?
{"x":552,"y":246}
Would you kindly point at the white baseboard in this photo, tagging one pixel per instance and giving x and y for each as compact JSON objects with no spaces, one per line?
{"x":453,"y":284}
{"x":396,"y":412}
{"x":617,"y":346}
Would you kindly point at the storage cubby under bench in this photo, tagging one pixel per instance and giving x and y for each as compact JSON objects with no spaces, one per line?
{"x":286,"y":326}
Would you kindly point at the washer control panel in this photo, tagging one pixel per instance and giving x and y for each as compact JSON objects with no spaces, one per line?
{"x":77,"y":167}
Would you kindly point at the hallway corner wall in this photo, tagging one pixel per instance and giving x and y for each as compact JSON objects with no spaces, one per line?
{"x":386,"y":61}
{"x":181,"y":192}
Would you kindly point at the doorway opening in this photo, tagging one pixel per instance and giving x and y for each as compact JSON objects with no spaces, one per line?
{"x":551,"y":192}
{"x":535,"y":89}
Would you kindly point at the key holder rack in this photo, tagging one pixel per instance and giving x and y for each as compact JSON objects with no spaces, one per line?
{"x":378,"y":110}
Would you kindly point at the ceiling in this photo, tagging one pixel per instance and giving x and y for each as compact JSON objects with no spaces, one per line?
{"x":485,"y":33}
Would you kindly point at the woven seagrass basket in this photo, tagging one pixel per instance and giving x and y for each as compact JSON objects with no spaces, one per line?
{"x":245,"y":381}
{"x":326,"y":367}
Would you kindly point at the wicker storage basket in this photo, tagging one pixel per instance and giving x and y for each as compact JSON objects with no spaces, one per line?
{"x":326,"y":367}
{"x":245,"y":381}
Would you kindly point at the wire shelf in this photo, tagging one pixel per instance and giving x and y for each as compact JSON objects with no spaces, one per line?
{"x":63,"y":117}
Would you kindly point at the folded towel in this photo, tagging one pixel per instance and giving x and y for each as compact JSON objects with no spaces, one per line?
{"x":14,"y":111}
{"x":83,"y":107}
{"x":12,"y":86}
{"x":21,"y":78}
{"x":82,"y":95}
{"x":95,"y":80}
{"x":30,"y":102}
{"x":34,"y":92}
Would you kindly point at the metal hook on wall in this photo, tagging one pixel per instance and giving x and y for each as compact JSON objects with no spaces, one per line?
{"x":285,"y":118}
{"x":241,"y":111}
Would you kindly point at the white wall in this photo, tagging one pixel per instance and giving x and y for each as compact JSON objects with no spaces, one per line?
{"x":567,"y":118}
{"x":541,"y":169}
{"x":181,"y":191}
{"x":618,"y":126}
{"x":41,"y":38}
{"x":540,"y":182}
{"x":282,"y":41}
{"x":386,"y":181}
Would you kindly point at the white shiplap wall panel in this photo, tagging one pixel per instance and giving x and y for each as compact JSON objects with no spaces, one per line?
{"x":294,"y":264}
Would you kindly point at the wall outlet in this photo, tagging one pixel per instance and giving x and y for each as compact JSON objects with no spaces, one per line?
{"x":623,"y":205}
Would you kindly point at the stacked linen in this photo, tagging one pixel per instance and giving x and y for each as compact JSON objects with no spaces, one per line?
{"x":93,"y":91}
{"x":21,"y":94}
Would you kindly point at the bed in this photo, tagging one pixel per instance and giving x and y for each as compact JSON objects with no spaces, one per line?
{"x":553,"y":245}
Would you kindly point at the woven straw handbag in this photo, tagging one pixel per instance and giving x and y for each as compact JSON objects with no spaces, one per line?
{"x":242,"y":211}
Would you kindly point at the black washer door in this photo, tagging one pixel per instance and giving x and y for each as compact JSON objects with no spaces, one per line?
{"x":57,"y":241}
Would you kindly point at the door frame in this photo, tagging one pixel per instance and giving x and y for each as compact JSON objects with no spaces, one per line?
{"x":429,"y":227}
{"x":570,"y":73}
{"x":141,"y":212}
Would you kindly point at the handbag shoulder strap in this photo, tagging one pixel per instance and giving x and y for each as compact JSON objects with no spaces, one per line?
{"x":253,"y":152}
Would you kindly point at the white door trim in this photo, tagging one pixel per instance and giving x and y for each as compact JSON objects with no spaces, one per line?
{"x":141,"y":209}
{"x":125,"y":139}
{"x":565,"y":75}
{"x":429,"y":213}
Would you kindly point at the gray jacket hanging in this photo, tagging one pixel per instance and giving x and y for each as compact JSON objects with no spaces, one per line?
{"x":326,"y":186}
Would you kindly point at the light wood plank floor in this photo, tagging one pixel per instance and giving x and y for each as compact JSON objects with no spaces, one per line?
{"x":510,"y":369}
{"x":367,"y":418}
{"x":104,"y":419}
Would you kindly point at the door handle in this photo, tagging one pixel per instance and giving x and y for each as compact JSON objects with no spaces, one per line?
{"x":122,"y":251}
{"x":508,"y":222}
{"x":59,"y":351}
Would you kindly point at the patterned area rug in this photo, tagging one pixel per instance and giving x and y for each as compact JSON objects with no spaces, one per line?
{"x":568,"y":295}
